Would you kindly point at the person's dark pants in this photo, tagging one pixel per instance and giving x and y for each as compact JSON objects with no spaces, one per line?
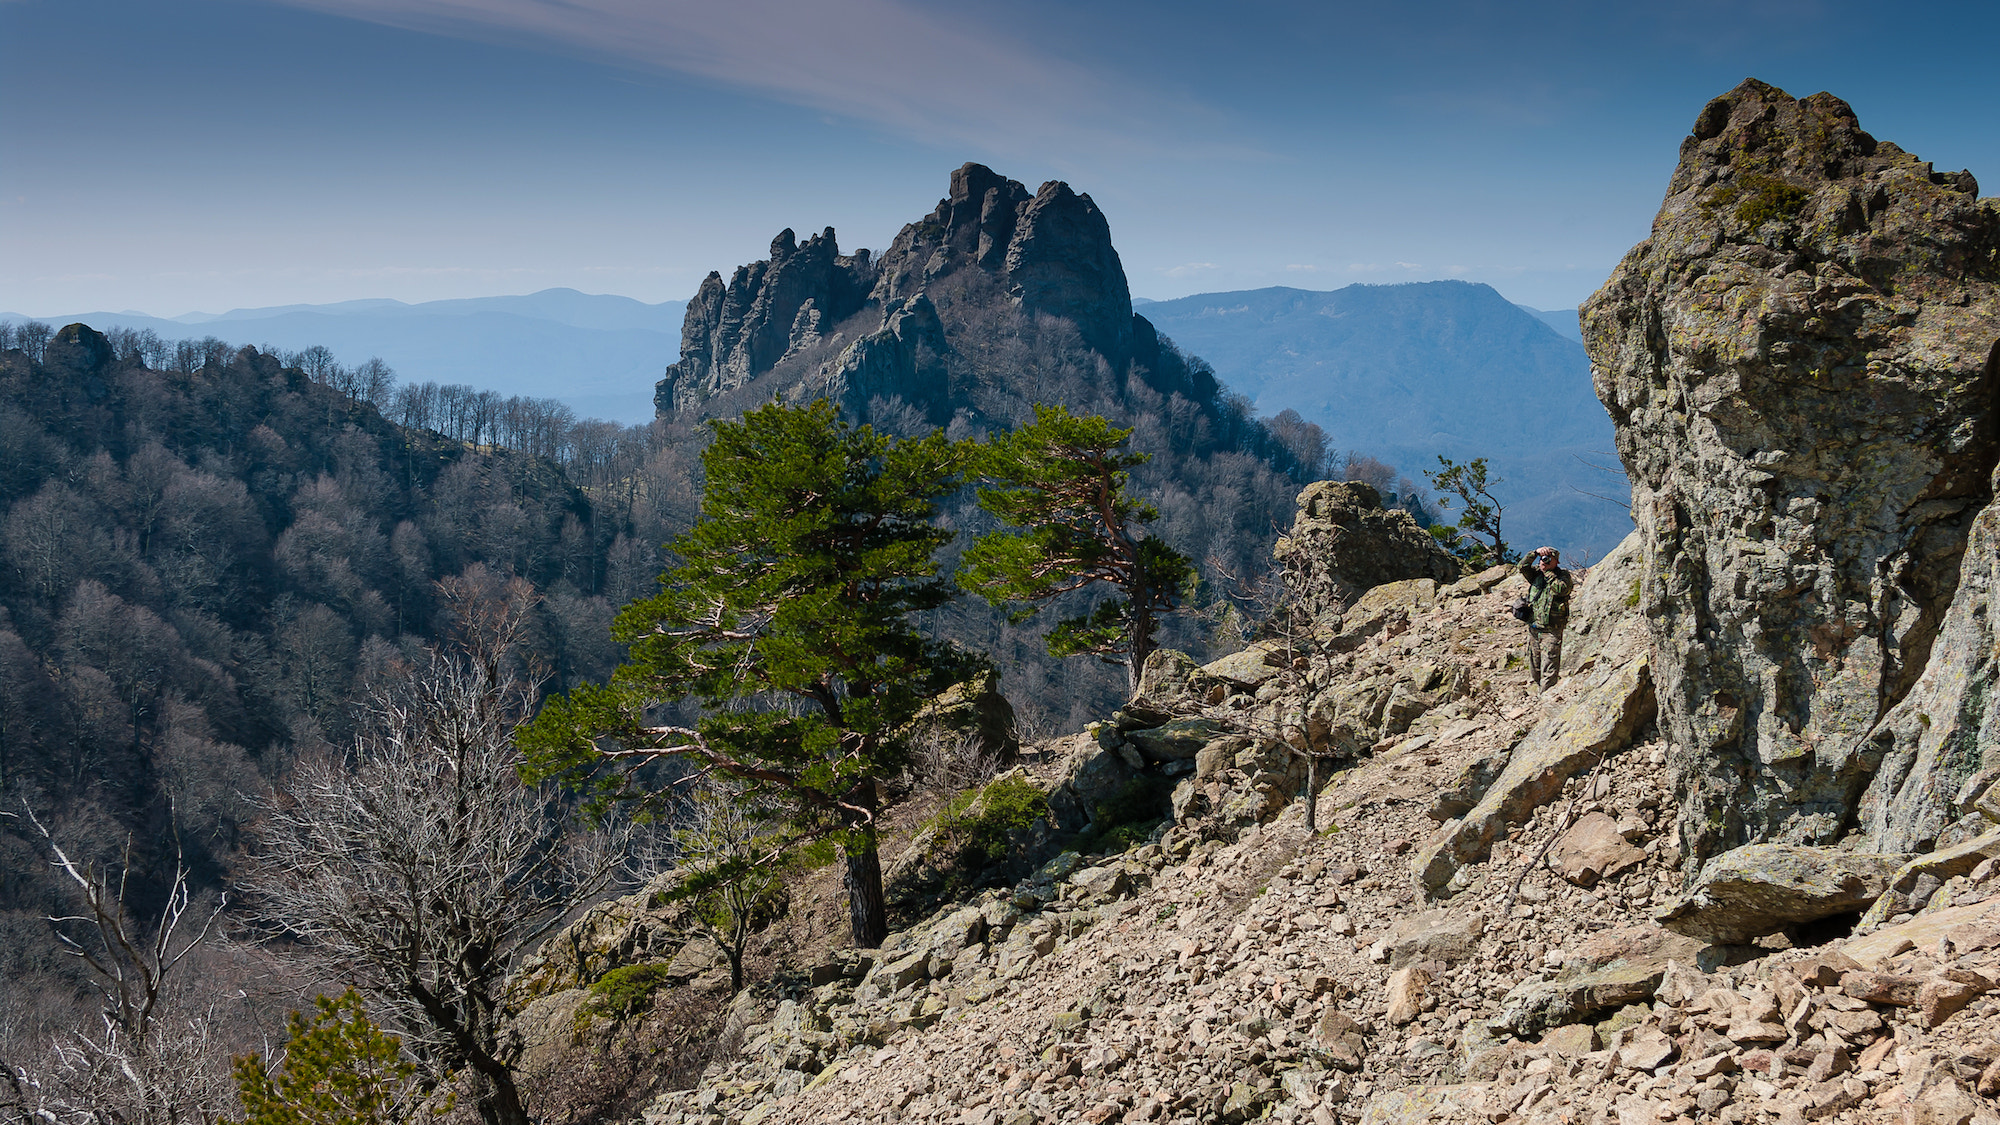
{"x":1545,"y":654}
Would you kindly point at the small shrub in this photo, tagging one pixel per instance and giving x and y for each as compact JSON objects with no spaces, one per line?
{"x":944,"y":759}
{"x":1632,"y":599}
{"x":626,"y":990}
{"x":979,"y":824}
{"x":1129,"y":816}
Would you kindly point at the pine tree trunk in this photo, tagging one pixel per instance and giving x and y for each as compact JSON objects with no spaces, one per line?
{"x":1142,"y":645}
{"x":1312,"y":792}
{"x":867,"y":914}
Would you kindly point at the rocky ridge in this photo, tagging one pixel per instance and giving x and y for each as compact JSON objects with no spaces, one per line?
{"x":1239,"y":967}
{"x":865,"y":328}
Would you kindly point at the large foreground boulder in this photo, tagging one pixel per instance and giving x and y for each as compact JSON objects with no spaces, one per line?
{"x":1800,"y":362}
{"x":1761,"y":889}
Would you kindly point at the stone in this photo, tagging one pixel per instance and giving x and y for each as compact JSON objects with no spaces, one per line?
{"x":1945,"y":863}
{"x":1343,"y":543}
{"x":1648,"y":1050}
{"x":1342,"y":1038}
{"x":1102,"y":884}
{"x":1939,"y":999}
{"x":1439,"y":935}
{"x":1873,"y":949}
{"x":1596,"y":719}
{"x":1945,"y":1102}
{"x":892,"y":977}
{"x":1163,"y":680}
{"x":1464,"y":791}
{"x":974,"y":711}
{"x":1570,"y":1040}
{"x":1389,"y":602}
{"x":961,"y":928}
{"x":1614,"y":969}
{"x":1405,"y":993}
{"x":1883,"y":988}
{"x":1797,"y":373}
{"x":1592,"y":849}
{"x":1426,"y":1103}
{"x":1176,"y":740}
{"x":1088,"y":776}
{"x":1473,"y":585}
{"x":1252,"y":667}
{"x":1764,"y":888}
{"x":1217,"y":756}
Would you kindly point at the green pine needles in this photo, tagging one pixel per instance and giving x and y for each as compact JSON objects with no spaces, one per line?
{"x":787,"y":626}
{"x":1480,"y":513}
{"x":1061,"y":484}
{"x":788,"y":630}
{"x":338,"y":1069}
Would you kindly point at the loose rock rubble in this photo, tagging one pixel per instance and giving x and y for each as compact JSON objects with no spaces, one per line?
{"x":1640,"y":897}
{"x":1234,"y":970}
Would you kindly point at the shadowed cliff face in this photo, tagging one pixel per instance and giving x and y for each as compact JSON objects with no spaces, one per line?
{"x":1048,"y":253}
{"x":1800,"y":365}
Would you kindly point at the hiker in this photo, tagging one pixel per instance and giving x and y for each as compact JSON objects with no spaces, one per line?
{"x":1548,"y":602}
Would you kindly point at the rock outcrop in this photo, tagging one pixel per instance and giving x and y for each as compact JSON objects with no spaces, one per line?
{"x":736,"y":331}
{"x":1050,"y":252}
{"x":1801,"y":365}
{"x":903,"y":360}
{"x":1762,"y":889}
{"x":1343,"y":543}
{"x":863,"y":328}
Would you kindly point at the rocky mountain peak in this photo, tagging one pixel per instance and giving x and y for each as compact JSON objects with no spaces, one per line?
{"x":1801,"y":365}
{"x":1046,"y":253}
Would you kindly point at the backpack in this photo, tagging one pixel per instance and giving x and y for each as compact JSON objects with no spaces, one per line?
{"x":1522,"y":609}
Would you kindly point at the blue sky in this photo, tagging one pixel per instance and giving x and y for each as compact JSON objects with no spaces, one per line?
{"x":210,"y":154}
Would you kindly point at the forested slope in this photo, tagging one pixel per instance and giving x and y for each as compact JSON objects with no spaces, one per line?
{"x":204,"y":571}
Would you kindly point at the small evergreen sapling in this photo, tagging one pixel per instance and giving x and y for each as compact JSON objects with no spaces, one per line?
{"x":1062,"y":483}
{"x":1480,"y":514}
{"x":338,"y":1069}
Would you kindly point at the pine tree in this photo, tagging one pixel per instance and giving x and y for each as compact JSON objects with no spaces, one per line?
{"x":338,"y":1068}
{"x":1480,"y":515}
{"x":1061,"y":482}
{"x":787,"y":626}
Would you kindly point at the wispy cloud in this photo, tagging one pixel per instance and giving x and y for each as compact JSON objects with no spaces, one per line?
{"x":887,"y":62}
{"x":1189,"y":269}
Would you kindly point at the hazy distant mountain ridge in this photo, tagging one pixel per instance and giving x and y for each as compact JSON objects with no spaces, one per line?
{"x":1408,"y":372}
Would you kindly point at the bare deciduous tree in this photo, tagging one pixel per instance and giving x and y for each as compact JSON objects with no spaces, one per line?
{"x":730,"y":879}
{"x":423,"y":870}
{"x":149,"y":1061}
